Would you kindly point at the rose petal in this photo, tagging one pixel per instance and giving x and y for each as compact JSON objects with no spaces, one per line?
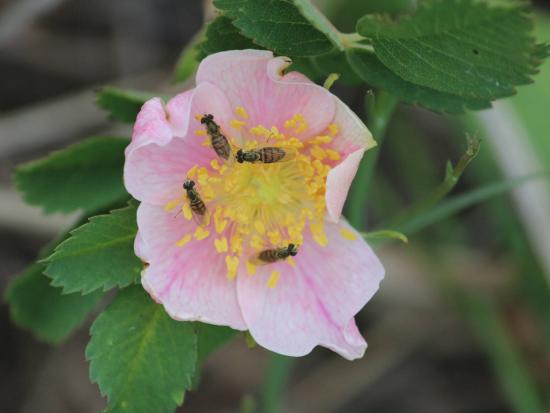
{"x":165,"y":146}
{"x":253,"y":79}
{"x":315,"y":302}
{"x":189,"y":281}
{"x":352,"y":140}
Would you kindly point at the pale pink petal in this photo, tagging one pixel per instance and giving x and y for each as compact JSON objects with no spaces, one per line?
{"x":189,"y":281}
{"x":352,"y":140}
{"x":315,"y":302}
{"x":253,"y":79}
{"x":339,"y":180}
{"x":165,"y":146}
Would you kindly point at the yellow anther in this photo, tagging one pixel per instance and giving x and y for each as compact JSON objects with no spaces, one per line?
{"x":333,"y":129}
{"x":186,"y":211}
{"x":318,"y":152}
{"x":274,"y":237}
{"x":259,"y":226}
{"x":237,"y":124}
{"x":257,"y":242}
{"x":198,"y":117}
{"x":291,"y":262}
{"x":250,"y":268}
{"x":221,"y":244}
{"x":171,"y":205}
{"x":182,"y":242}
{"x":200,"y":132}
{"x":347,"y":234}
{"x":215,"y":164}
{"x":206,"y":142}
{"x":333,"y":155}
{"x":318,"y":233}
{"x":192,"y":172}
{"x":273,"y":279}
{"x":260,"y":130}
{"x":236,"y":244}
{"x":219,"y":222}
{"x":241,"y":112}
{"x":201,"y":233}
{"x":289,"y":124}
{"x":232,"y":264}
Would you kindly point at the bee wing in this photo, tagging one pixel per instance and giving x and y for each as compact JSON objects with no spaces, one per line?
{"x":254,"y":260}
{"x":290,"y":154}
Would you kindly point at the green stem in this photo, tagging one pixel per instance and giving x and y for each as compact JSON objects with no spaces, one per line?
{"x":275,"y":383}
{"x":452,"y":175}
{"x":380,"y":113}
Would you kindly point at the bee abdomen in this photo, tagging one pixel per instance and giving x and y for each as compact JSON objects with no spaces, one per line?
{"x":197,"y":206}
{"x":221,"y":145}
{"x":268,"y":256}
{"x":271,"y":154}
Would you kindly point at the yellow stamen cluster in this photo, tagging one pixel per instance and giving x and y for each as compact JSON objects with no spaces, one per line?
{"x":256,"y":206}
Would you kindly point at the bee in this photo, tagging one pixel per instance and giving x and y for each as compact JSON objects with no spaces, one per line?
{"x":219,"y":142}
{"x":268,"y":154}
{"x":277,"y":254}
{"x":195,"y":202}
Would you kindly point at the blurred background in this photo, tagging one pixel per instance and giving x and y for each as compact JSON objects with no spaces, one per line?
{"x":462,"y":320}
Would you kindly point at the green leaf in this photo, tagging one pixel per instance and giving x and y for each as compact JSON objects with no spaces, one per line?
{"x":385,"y":234}
{"x":189,"y":59}
{"x":319,"y":67}
{"x":98,"y":255}
{"x":86,"y":175}
{"x":122,"y":104}
{"x":287,"y":27}
{"x":221,"y":35}
{"x":142,"y":360}
{"x":44,"y":310}
{"x":372,"y":71}
{"x":460,"y":47}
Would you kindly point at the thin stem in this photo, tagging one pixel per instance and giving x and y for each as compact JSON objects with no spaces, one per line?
{"x":273,"y":390}
{"x":452,"y":175}
{"x":380,"y":113}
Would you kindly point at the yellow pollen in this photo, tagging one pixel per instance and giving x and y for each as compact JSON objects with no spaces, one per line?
{"x":221,"y":244}
{"x":237,"y":124}
{"x":260,"y":130}
{"x":250,"y":268}
{"x":191,"y":173}
{"x":200,"y":132}
{"x":182,"y":242}
{"x":332,"y":155}
{"x":171,"y":205}
{"x":333,"y":129}
{"x":291,"y":262}
{"x":259,"y":226}
{"x":201,"y":233}
{"x":232,"y":264}
{"x":206,"y":142}
{"x":186,"y":210}
{"x":198,"y":117}
{"x":215,"y":164}
{"x":260,"y":206}
{"x":241,"y":112}
{"x":273,"y":279}
{"x":236,"y":244}
{"x":347,"y":234}
{"x":318,"y":153}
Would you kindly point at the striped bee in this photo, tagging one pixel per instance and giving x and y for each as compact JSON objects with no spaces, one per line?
{"x":195,"y":202}
{"x":219,"y":142}
{"x":268,"y":154}
{"x":277,"y":254}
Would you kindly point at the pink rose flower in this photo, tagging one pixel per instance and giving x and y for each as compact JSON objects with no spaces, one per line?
{"x":209,"y":267}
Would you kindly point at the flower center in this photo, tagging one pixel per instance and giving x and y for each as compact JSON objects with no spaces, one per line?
{"x":257,"y":206}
